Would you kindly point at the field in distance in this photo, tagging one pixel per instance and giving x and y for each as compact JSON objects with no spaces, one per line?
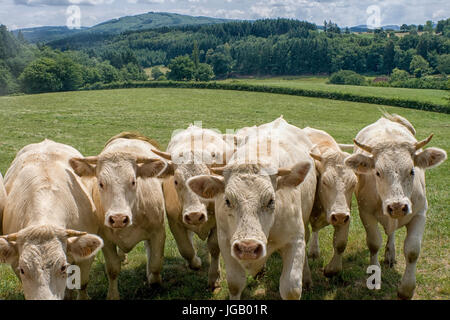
{"x":87,"y":119}
{"x":441,"y":97}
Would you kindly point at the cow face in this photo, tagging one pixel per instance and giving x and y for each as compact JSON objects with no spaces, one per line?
{"x":247,"y":200}
{"x":194,"y":208}
{"x":394,"y":166}
{"x":118,"y":176}
{"x":40,"y":254}
{"x":335,"y":186}
{"x":184,"y":166}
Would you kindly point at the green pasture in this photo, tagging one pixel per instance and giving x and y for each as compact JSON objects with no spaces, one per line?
{"x":87,"y":119}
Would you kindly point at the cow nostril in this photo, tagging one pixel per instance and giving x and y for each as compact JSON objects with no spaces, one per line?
{"x":389,"y":209}
{"x":125,"y":220}
{"x":111,"y":220}
{"x":346,"y":219}
{"x":187,"y":218}
{"x":333,"y":218}
{"x":258,"y":249}
{"x":202,"y":217}
{"x":405,"y":208}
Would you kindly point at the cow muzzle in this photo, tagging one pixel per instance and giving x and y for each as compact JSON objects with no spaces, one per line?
{"x":248,"y":249}
{"x":339,"y":218}
{"x":398,"y":209}
{"x":118,"y":220}
{"x":194,"y":218}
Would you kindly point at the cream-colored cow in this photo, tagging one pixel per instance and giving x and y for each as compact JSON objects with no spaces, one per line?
{"x":332,"y":205}
{"x":48,"y":220}
{"x":391,"y":166}
{"x":260,"y":196}
{"x":2,"y":201}
{"x":192,"y":152}
{"x":129,"y":202}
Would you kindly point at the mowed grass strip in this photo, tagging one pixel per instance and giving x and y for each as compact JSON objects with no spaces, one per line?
{"x":441,"y":97}
{"x":86,"y":120}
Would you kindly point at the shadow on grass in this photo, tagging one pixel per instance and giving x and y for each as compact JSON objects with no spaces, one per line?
{"x":350,"y":284}
{"x":178,"y":281}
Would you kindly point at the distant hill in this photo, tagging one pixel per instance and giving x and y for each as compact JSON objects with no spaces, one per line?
{"x":148,"y":20}
{"x":365,"y":28}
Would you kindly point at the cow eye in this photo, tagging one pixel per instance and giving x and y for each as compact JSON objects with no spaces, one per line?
{"x":133,"y":183}
{"x":22,"y":271}
{"x":227,"y":202}
{"x":176,"y":182}
{"x":378,"y":174}
{"x":412,"y":172}
{"x":271,"y":203}
{"x":101,"y":185}
{"x":63,"y":268}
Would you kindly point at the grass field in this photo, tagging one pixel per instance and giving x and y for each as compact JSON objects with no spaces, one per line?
{"x":441,"y":97}
{"x":86,"y":120}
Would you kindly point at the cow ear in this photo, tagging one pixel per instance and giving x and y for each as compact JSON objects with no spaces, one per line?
{"x":294,"y":176}
{"x":84,"y":247}
{"x":8,"y":251}
{"x":206,"y":186}
{"x":360,"y":163}
{"x":83,"y":166}
{"x":150,"y":168}
{"x":429,"y":158}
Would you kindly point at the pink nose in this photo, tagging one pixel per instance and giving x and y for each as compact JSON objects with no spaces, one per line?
{"x":248,"y":249}
{"x":118,"y":221}
{"x":338,"y":219}
{"x":397,"y":209}
{"x":194,"y":218}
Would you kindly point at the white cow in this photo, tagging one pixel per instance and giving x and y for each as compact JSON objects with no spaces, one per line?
{"x":391,"y":166}
{"x":48,"y":220}
{"x":193,"y":152}
{"x":2,"y":201}
{"x":260,"y":196}
{"x":332,"y":205}
{"x":129,"y":202}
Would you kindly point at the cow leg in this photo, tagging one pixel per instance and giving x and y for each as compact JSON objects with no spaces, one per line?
{"x":123,"y":256}
{"x":293,"y":256}
{"x":214,"y":266}
{"x":340,"y":239}
{"x":155,"y":255}
{"x":411,"y":250}
{"x":112,"y":269}
{"x":307,"y":279}
{"x":373,"y":235}
{"x":314,"y":250}
{"x":183,"y":238}
{"x":389,"y":253}
{"x":85,"y":268}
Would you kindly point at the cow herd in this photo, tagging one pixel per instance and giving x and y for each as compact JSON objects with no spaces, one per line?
{"x":247,"y":194}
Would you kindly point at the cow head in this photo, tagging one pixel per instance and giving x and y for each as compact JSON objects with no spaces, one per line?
{"x":335,"y":186}
{"x":185,"y":166}
{"x":40,"y":256}
{"x":394,"y":166}
{"x":118,"y":176}
{"x":246,"y":197}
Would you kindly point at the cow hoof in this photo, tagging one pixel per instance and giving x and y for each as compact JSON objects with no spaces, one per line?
{"x":195,"y":264}
{"x":155,"y":279}
{"x":390,"y":262}
{"x":329,"y":273}
{"x":213,"y":285}
{"x":307,"y":284}
{"x":402,"y":296}
{"x":113,"y":297}
{"x":314,"y":255}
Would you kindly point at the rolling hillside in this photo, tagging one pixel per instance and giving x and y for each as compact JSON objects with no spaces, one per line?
{"x":148,"y":20}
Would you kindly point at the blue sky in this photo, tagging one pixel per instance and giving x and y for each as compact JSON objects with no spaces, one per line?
{"x":31,"y":13}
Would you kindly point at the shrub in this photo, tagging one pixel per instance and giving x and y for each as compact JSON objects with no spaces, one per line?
{"x":181,"y":68}
{"x":204,"y":72}
{"x":157,"y":73}
{"x":419,"y":66}
{"x":347,"y":77}
{"x":399,"y":75}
